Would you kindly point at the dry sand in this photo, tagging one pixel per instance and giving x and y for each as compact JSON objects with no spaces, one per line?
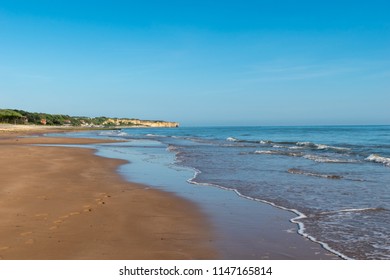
{"x":67,"y":203}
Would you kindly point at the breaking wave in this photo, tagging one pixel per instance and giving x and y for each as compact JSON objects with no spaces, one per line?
{"x":379,"y":159}
{"x":325,"y":159}
{"x":316,"y":158}
{"x":113,"y":133}
{"x":320,"y":146}
{"x":292,"y":144}
{"x":277,"y":152}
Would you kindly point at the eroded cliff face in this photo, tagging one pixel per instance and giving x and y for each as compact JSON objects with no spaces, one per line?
{"x":140,"y":123}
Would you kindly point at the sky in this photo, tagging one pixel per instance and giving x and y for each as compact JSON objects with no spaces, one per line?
{"x":264,"y":62}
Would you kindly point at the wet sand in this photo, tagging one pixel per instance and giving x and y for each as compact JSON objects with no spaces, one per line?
{"x":67,"y":203}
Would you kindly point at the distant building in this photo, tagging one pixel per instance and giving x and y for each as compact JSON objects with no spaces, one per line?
{"x":43,"y":121}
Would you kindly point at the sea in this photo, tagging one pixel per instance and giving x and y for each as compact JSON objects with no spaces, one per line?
{"x":335,"y":179}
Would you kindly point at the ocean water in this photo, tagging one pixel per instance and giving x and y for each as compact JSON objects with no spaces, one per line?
{"x":336,"y":179}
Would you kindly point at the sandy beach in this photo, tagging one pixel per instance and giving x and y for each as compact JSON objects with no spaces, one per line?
{"x":67,"y":203}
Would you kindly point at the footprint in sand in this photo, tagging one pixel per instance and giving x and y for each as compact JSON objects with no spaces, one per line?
{"x":53,"y":228}
{"x":87,"y":208}
{"x":4,"y":248}
{"x":105,"y":195}
{"x":58,"y":221}
{"x":100,"y":201}
{"x":26,"y":233}
{"x":74,"y":213}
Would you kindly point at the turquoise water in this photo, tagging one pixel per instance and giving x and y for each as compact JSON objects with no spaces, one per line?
{"x":335,"y":178}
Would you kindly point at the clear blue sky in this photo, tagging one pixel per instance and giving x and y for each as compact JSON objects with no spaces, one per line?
{"x":264,"y":62}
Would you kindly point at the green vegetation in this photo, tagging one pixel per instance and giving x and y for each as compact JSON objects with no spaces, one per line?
{"x":10,"y":116}
{"x":24,"y":117}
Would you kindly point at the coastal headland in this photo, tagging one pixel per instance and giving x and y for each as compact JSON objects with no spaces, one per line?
{"x":67,"y":203}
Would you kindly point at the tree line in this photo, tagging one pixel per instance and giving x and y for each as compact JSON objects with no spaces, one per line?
{"x":23,"y":117}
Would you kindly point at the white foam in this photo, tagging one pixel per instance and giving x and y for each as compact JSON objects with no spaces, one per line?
{"x":155,"y":135}
{"x":113,"y":133}
{"x":379,"y":159}
{"x":278,"y":146}
{"x":267,"y":152}
{"x":328,"y":160}
{"x":320,"y":146}
{"x":232,"y":139}
{"x":304,"y":143}
{"x":278,"y":152}
{"x":295,"y":147}
{"x":326,"y":147}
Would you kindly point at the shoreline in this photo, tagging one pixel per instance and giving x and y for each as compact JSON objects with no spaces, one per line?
{"x":68,"y":203}
{"x":246,"y":228}
{"x":254,"y":230}
{"x":294,"y":220}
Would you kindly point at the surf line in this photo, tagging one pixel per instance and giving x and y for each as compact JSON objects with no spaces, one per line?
{"x":295,"y":220}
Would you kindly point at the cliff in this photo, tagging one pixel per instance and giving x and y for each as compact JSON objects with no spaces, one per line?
{"x":140,"y":123}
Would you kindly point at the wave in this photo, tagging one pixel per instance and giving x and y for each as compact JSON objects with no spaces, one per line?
{"x":307,"y":173}
{"x":277,"y":152}
{"x":291,"y":144}
{"x":323,"y":159}
{"x":378,"y":159}
{"x":232,"y":139}
{"x":320,"y":146}
{"x":316,"y":158}
{"x":113,"y":133}
{"x":155,"y":135}
{"x":368,"y":209}
{"x":264,"y":142}
{"x":279,"y":146}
